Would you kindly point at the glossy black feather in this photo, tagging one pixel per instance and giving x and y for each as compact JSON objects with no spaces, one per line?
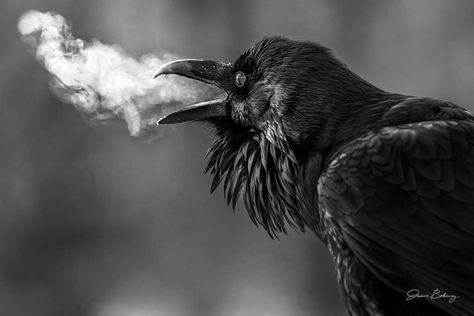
{"x":412,"y":222}
{"x":262,"y":168}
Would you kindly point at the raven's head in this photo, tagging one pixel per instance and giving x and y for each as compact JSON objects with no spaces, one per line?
{"x":281,"y":104}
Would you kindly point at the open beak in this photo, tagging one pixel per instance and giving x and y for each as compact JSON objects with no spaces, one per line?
{"x":215,"y":73}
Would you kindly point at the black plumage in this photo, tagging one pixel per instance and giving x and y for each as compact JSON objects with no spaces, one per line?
{"x":386,"y":181}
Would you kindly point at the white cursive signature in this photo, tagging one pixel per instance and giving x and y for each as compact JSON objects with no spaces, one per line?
{"x":415,"y":293}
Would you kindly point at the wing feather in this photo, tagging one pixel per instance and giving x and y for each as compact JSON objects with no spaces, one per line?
{"x":404,"y":200}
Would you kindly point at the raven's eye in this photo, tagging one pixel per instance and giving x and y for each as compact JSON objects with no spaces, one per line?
{"x":239,"y":79}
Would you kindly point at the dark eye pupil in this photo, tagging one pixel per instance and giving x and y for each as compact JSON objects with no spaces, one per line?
{"x":240,"y":79}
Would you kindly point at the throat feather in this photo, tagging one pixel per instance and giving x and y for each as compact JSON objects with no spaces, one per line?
{"x":262,"y":169}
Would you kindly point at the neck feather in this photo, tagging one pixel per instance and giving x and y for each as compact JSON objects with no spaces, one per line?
{"x":263,"y":170}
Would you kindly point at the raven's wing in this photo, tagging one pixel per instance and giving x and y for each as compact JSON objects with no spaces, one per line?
{"x":403,"y":198}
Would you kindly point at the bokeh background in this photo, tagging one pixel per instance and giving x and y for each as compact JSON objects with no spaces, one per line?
{"x":95,"y":222}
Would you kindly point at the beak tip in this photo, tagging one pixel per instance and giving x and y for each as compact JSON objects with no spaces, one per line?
{"x":159,"y":73}
{"x":163,"y":70}
{"x":168,"y":119}
{"x":160,"y":120}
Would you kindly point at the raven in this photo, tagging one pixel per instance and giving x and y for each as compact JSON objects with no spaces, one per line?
{"x":385,"y":180}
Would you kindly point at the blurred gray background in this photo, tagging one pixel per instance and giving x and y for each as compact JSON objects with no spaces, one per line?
{"x":94,"y":222}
